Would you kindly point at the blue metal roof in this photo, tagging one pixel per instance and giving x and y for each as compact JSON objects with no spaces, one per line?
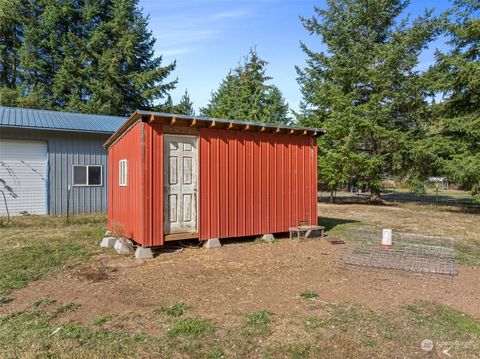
{"x":60,"y":121}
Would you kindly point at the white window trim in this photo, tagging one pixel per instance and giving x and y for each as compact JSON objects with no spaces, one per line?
{"x":122,"y":182}
{"x":87,"y":184}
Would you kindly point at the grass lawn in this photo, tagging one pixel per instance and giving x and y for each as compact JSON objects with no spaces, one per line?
{"x":171,"y":323}
{"x":32,"y":247}
{"x":345,"y":330}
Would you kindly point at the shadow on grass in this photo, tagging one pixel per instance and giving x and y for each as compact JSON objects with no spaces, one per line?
{"x":332,"y":223}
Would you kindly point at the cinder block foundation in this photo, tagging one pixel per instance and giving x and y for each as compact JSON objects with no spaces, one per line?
{"x":268,"y":238}
{"x":143,"y":253}
{"x":108,"y":242}
{"x":124,"y":246}
{"x":212,"y":243}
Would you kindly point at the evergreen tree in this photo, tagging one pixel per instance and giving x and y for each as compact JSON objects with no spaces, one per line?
{"x":51,"y":64}
{"x":79,"y":55}
{"x":276,"y":107}
{"x":364,"y":89}
{"x":456,"y":75}
{"x":245,"y":95}
{"x":185,"y":106}
{"x":13,"y":13}
{"x":126,"y":75}
{"x":166,"y":106}
{"x":223,"y":104}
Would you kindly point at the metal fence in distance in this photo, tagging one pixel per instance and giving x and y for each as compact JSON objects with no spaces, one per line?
{"x":442,"y":199}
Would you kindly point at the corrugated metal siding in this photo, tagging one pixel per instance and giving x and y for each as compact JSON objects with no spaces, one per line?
{"x":66,"y":149}
{"x":153,"y":182}
{"x":126,"y":211}
{"x":254,"y":183}
{"x":24,"y":117}
{"x":250,"y":183}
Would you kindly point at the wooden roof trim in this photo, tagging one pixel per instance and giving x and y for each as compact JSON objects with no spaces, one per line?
{"x":193,"y":121}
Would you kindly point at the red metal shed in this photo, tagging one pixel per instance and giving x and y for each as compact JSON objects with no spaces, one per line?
{"x":176,"y":177}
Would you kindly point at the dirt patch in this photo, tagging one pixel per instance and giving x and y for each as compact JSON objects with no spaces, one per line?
{"x":98,"y":272}
{"x":222,"y":283}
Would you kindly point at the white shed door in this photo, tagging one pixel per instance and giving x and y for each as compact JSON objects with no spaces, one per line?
{"x":23,"y":176}
{"x":180,"y":184}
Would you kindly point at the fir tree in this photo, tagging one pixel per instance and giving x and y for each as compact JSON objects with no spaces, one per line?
{"x":456,"y":76}
{"x":246,"y":95}
{"x":364,"y":89}
{"x":79,"y":55}
{"x":276,"y":107}
{"x":185,"y":106}
{"x":51,"y":64}
{"x":126,"y":75}
{"x":222,"y":103}
{"x":13,"y":14}
{"x":166,"y":106}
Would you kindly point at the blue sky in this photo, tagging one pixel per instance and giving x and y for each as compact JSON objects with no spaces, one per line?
{"x":208,"y":37}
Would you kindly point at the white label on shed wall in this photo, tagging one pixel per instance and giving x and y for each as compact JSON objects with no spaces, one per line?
{"x":23,"y":176}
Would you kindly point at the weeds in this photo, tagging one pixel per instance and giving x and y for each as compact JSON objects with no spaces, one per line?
{"x":259,"y":322}
{"x":42,"y":301}
{"x":4,"y":299}
{"x":192,"y":326}
{"x":175,"y":310}
{"x":442,"y":320}
{"x":216,"y":353}
{"x":102,"y":320}
{"x":309,"y":295}
{"x":312,"y":323}
{"x":67,"y":307}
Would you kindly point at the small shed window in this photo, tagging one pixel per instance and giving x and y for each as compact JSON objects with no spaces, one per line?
{"x":87,"y":175}
{"x":122,"y":172}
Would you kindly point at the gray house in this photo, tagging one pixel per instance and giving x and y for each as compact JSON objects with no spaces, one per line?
{"x":49,"y":159}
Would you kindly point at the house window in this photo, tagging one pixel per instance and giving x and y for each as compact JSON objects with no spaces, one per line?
{"x":88,"y":175}
{"x":122,"y":167}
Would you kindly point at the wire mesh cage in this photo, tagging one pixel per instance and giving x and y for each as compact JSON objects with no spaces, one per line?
{"x":410,"y":252}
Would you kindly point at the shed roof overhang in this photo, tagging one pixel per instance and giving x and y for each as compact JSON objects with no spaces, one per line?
{"x":208,"y":122}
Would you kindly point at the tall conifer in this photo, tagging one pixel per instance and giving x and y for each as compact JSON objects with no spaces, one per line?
{"x":245,"y":94}
{"x":364,"y":88}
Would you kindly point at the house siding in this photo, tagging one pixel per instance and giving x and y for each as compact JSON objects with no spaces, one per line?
{"x":66,"y":149}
